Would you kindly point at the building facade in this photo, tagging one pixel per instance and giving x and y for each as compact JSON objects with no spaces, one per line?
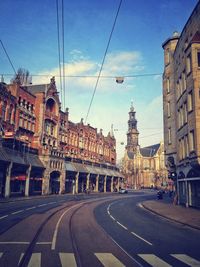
{"x":142,"y":167}
{"x":181,"y":103}
{"x":43,"y":152}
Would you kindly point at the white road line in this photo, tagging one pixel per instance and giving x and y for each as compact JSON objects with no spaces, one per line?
{"x":187,"y":260}
{"x":35,"y":260}
{"x":107,"y":259}
{"x":42,"y":205}
{"x":43,"y":243}
{"x":15,"y":243}
{"x":112,"y":217}
{"x":57,"y":226}
{"x":122,"y":225}
{"x":149,"y":243}
{"x":153,"y":260}
{"x":2,"y":217}
{"x":51,"y":203}
{"x":16,"y":212}
{"x":67,"y":259}
{"x":21,"y":256}
{"x":31,"y":208}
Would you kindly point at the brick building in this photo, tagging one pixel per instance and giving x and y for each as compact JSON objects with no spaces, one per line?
{"x":42,"y":152}
{"x":181,"y":103}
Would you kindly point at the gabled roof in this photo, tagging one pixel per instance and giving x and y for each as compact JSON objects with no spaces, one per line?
{"x":37,"y":88}
{"x":149,"y":151}
{"x":196,"y":38}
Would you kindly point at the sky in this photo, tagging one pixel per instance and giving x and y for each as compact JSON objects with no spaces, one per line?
{"x":28,"y":30}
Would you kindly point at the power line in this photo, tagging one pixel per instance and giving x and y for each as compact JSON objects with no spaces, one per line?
{"x":59,"y":53}
{"x":8,"y":57}
{"x":95,"y":88}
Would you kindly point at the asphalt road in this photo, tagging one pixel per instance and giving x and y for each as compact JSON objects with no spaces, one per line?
{"x":108,"y":230}
{"x":149,"y":239}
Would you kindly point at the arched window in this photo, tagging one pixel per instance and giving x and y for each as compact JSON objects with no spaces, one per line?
{"x":4,"y":110}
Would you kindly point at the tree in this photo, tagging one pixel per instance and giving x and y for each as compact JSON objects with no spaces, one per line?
{"x":22,"y":77}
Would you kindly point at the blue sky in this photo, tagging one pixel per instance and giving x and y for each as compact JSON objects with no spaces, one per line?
{"x":29,"y":33}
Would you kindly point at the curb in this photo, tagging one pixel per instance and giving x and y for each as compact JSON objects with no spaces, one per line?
{"x":169,"y":218}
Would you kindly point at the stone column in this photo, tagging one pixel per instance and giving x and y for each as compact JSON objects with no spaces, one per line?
{"x":97,"y":184}
{"x":88,"y":181}
{"x":45,"y":183}
{"x":118,"y":184}
{"x":111,"y":186}
{"x":104,"y":186}
{"x":28,"y":173}
{"x":76,"y":183}
{"x":8,"y":177}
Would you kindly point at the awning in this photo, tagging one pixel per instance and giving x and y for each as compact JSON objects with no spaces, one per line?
{"x":70,"y":167}
{"x":11,"y":155}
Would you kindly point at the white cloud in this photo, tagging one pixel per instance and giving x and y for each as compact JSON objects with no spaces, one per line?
{"x":111,"y":103}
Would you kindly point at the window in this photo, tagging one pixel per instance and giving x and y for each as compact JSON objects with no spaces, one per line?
{"x":4,"y":110}
{"x":184,"y":81}
{"x":189,"y":101}
{"x":168,"y":109}
{"x":188,"y":63}
{"x":169,"y":136}
{"x":191,"y":140}
{"x":185,"y":113}
{"x":168,"y":86}
{"x":186,"y":146}
{"x":167,"y":57}
{"x":198,"y":59}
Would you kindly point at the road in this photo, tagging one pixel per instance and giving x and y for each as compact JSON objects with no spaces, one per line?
{"x":108,"y":230}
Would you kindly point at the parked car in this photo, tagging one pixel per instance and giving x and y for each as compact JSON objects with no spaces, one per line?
{"x":123,"y":191}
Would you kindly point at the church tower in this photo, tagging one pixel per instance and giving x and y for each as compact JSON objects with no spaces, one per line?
{"x":132,"y":134}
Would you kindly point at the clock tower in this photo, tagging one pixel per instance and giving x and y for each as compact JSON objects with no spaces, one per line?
{"x":132,"y":134}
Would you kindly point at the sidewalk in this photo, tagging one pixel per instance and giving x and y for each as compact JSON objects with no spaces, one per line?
{"x":164,"y":207}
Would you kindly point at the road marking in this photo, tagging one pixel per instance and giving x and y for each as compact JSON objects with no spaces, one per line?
{"x":57,"y":226}
{"x":154,"y":261}
{"x":149,"y":243}
{"x":3,"y":217}
{"x":14,"y":243}
{"x":31,"y":208}
{"x":107,"y":259}
{"x":112,"y":217}
{"x":187,"y":259}
{"x":51,"y":203}
{"x":16,"y":212}
{"x":43,"y":243}
{"x":42,"y":205}
{"x":67,"y":259}
{"x":21,"y":256}
{"x":122,"y":225}
{"x":35,"y":260}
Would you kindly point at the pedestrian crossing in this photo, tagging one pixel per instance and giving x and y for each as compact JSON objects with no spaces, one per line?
{"x":109,"y":260}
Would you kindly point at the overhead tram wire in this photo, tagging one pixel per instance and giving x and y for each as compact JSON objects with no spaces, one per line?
{"x":8,"y":57}
{"x":63,"y":52}
{"x":92,"y":76}
{"x":95,"y":88}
